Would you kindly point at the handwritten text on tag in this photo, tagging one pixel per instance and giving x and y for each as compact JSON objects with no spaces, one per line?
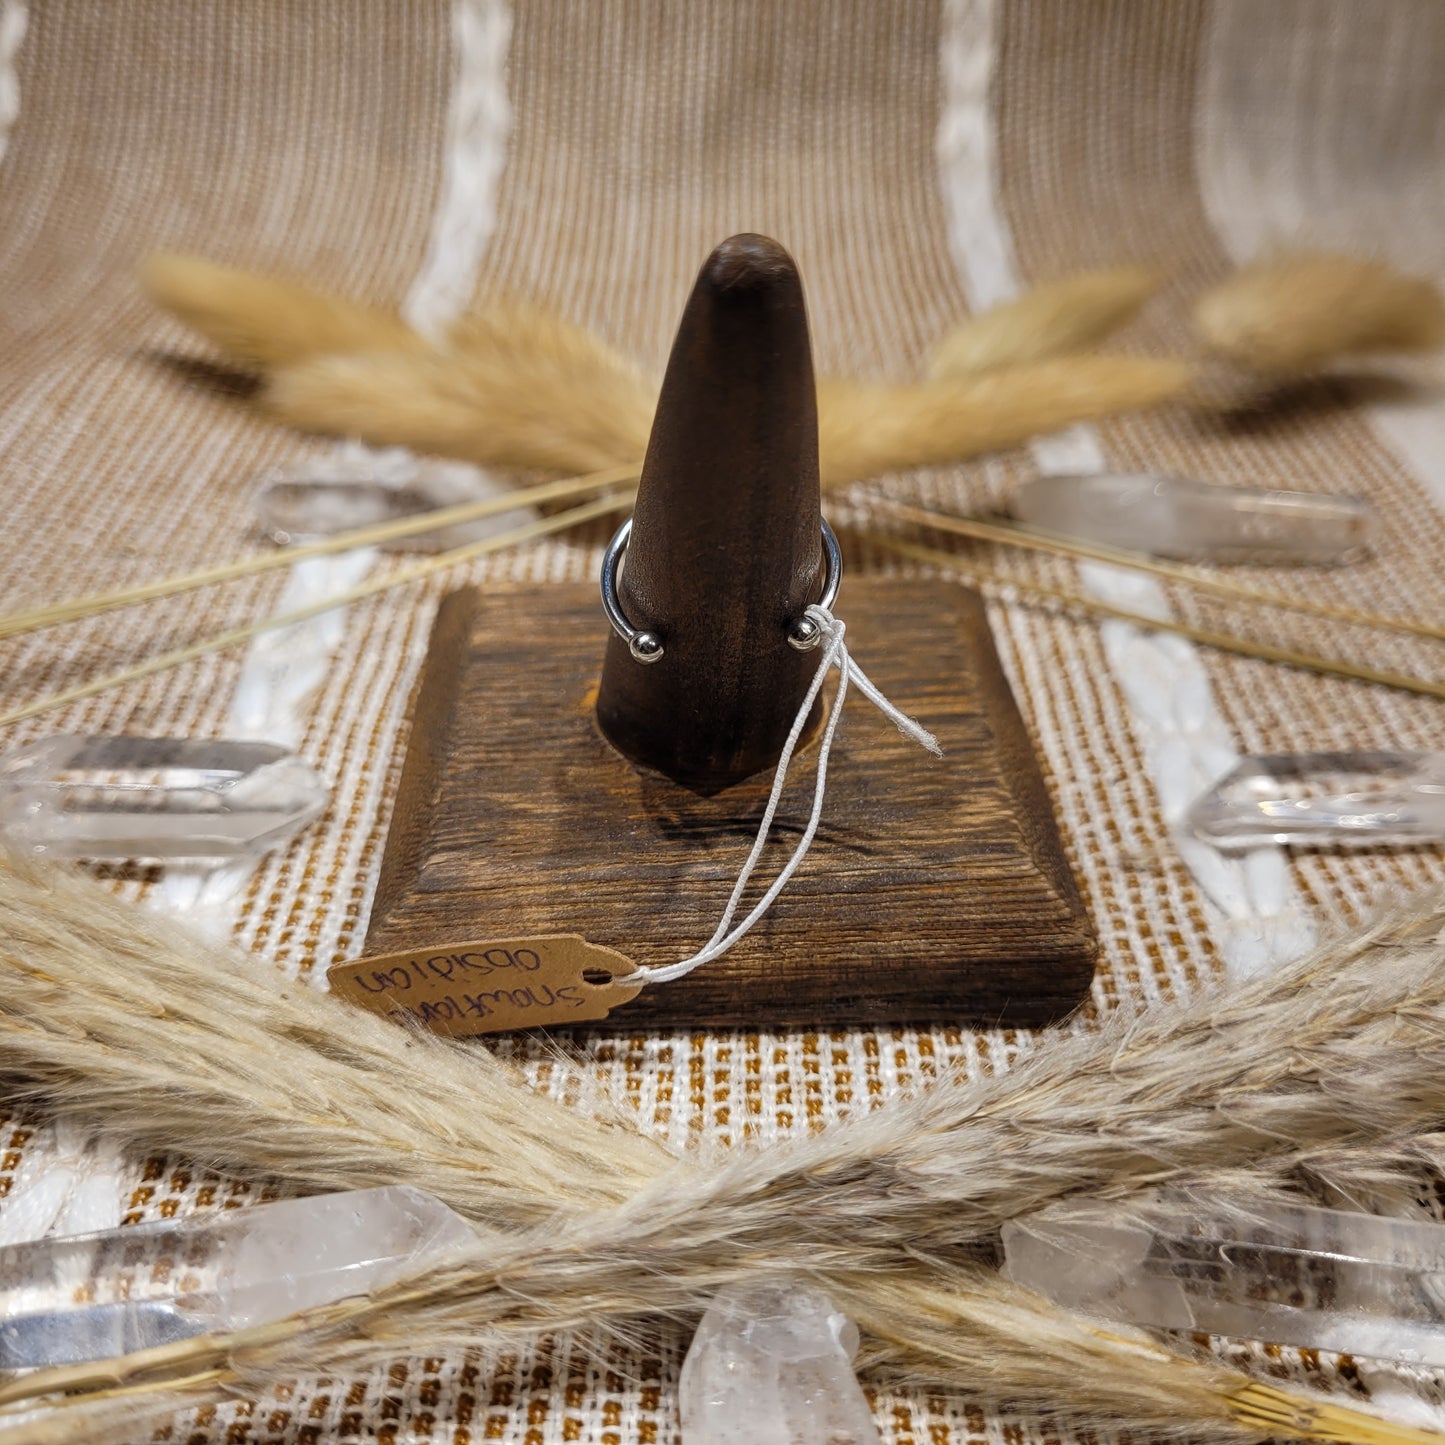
{"x":491,"y":986}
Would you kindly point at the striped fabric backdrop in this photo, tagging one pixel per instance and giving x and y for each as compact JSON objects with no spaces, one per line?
{"x":921,"y":159}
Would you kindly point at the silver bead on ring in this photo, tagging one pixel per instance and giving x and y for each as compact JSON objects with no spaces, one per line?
{"x":803,"y":633}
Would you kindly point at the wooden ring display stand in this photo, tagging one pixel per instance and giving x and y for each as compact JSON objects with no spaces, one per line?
{"x":537,"y":799}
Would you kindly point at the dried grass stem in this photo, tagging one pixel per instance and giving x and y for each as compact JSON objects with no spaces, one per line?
{"x":1209,"y":637}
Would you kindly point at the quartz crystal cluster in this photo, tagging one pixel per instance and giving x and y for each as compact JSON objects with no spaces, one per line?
{"x":1198,"y":521}
{"x":93,"y":1296}
{"x":194,"y":801}
{"x":771,"y":1364}
{"x":1285,"y":1274}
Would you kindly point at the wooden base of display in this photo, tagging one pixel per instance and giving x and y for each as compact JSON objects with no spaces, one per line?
{"x":935,"y":891}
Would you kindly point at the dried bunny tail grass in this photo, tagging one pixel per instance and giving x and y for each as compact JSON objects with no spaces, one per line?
{"x":1301,"y":312}
{"x":163,"y":1041}
{"x":565,"y":409}
{"x":516,"y":387}
{"x":580,"y":386}
{"x":865,"y":430}
{"x":520,"y":389}
{"x":263,"y":322}
{"x":1072,"y":314}
{"x":513,"y":333}
{"x":513,"y":386}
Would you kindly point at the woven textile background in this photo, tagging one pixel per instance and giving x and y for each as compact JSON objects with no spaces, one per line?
{"x":920,"y":160}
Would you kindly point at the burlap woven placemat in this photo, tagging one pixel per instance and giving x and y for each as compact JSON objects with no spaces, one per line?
{"x":920,"y":160}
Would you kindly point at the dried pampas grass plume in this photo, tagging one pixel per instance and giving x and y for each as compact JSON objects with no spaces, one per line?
{"x":958,"y":1328}
{"x":1057,"y":318}
{"x":897,"y":1212}
{"x":979,"y":1334}
{"x":162,"y":1040}
{"x":262,"y":322}
{"x":1402,"y":1178}
{"x":1302,"y":312}
{"x":101,"y":998}
{"x":936,"y":1324}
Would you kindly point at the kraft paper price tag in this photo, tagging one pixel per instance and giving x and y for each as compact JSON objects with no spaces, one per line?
{"x":491,"y":986}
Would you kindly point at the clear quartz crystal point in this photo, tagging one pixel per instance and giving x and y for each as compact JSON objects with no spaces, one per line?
{"x":193,"y":801}
{"x":1198,"y":521}
{"x":1285,"y":1274}
{"x":312,"y":500}
{"x":771,"y":1364}
{"x":1362,"y":799}
{"x":93,"y":1296}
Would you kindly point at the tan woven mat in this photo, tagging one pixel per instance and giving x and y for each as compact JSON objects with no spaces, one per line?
{"x":920,"y":160}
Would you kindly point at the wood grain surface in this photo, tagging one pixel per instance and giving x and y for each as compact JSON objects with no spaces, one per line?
{"x":935,"y":890}
{"x":726,"y":548}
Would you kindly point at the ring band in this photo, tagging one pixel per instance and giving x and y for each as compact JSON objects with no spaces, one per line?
{"x":803,"y":633}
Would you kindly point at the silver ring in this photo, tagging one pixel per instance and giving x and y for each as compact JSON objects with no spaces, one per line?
{"x":803,"y":633}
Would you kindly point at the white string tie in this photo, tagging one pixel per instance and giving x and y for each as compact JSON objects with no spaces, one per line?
{"x":835,"y":654}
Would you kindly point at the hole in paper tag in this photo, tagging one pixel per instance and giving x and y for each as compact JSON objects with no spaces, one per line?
{"x":491,"y":986}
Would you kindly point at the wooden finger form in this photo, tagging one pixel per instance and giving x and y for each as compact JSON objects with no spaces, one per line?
{"x":725,"y":547}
